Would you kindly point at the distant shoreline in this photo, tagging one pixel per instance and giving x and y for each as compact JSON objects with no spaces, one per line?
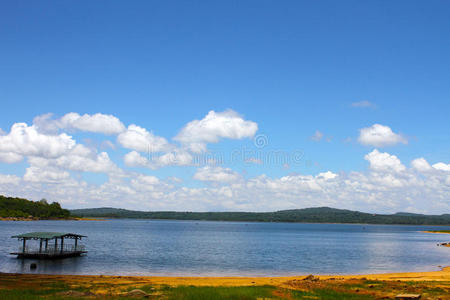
{"x":314,"y":215}
{"x":15,"y":219}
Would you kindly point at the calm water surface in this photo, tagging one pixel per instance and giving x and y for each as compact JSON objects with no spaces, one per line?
{"x":150,"y":247}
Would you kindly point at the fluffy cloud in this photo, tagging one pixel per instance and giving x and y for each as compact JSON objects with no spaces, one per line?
{"x":134,"y":159}
{"x":8,"y":180}
{"x":10,"y":157}
{"x":24,"y":140}
{"x":387,"y":186}
{"x":384,"y":162}
{"x":442,"y":167}
{"x":98,"y":123}
{"x":217,"y":174}
{"x":421,"y":165}
{"x":54,"y":157}
{"x":380,"y":136}
{"x":174,"y":158}
{"x":139,"y":139}
{"x":213,"y":127}
{"x":80,"y":158}
{"x":46,"y":175}
{"x":326,"y":175}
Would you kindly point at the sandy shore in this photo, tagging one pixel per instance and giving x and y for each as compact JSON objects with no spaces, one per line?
{"x":378,"y":286}
{"x":442,"y":275}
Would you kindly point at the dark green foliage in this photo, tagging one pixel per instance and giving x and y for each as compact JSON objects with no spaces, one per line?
{"x":307,"y":215}
{"x":22,"y":208}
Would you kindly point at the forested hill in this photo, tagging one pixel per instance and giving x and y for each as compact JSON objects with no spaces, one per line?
{"x":23,"y":208}
{"x":307,"y":215}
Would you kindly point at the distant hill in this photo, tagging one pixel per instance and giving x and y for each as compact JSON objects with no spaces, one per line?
{"x":306,"y":215}
{"x":23,"y":208}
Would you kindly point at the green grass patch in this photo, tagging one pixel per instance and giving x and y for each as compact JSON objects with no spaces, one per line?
{"x":329,"y":294}
{"x":47,"y":290}
{"x":255,"y":292}
{"x":218,"y":293}
{"x":31,"y":295}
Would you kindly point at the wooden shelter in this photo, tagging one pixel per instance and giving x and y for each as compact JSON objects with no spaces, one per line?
{"x":49,"y":247}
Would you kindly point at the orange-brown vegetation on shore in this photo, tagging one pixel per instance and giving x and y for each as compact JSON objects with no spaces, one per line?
{"x":373,"y":285}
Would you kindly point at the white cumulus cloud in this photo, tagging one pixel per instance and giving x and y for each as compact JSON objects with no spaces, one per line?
{"x":24,"y":140}
{"x":81,"y":159}
{"x":387,"y":186}
{"x":383,"y":161}
{"x":10,"y":157}
{"x":442,"y":167}
{"x":421,"y":165}
{"x":45,"y":175}
{"x":213,"y":127}
{"x":176,"y":157}
{"x":134,"y":159}
{"x":97,"y":123}
{"x":55,"y":160}
{"x":140,"y":139}
{"x":217,"y":174}
{"x":9,"y":180}
{"x":379,"y":135}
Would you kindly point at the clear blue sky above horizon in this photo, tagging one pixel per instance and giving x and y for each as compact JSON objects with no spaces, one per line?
{"x":296,"y":68}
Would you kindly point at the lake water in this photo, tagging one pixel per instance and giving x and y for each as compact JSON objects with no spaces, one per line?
{"x":151,"y":247}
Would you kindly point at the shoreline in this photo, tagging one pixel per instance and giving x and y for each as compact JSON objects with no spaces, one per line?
{"x":429,"y":285}
{"x":440,"y":275}
{"x":195,"y":220}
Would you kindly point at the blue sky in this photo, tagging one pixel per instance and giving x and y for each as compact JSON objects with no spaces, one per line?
{"x":294,"y":68}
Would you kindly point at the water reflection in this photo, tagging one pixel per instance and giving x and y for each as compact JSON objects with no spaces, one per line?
{"x":57,"y":266}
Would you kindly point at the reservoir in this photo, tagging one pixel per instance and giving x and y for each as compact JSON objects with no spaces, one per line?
{"x":196,"y":248}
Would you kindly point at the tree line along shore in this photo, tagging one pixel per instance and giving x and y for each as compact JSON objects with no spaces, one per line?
{"x":23,"y":209}
{"x":12,"y":208}
{"x":306,"y":215}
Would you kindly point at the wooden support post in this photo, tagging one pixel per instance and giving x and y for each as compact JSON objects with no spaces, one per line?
{"x":62,"y":244}
{"x":24,"y":245}
{"x":46,"y":245}
{"x":76,"y":243}
{"x":56,"y":244}
{"x":40,"y":245}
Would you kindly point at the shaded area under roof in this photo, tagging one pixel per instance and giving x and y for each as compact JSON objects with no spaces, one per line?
{"x":47,"y":235}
